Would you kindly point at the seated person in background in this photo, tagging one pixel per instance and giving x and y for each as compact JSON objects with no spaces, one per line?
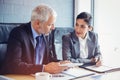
{"x":81,"y":45}
{"x":23,"y":55}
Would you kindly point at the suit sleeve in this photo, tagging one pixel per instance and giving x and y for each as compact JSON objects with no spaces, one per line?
{"x":97,"y":49}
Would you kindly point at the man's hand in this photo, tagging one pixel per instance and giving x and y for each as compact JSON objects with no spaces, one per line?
{"x":54,"y":68}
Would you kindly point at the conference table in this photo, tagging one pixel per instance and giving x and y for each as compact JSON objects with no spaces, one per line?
{"x":104,"y":76}
{"x":98,"y":76}
{"x":20,"y":77}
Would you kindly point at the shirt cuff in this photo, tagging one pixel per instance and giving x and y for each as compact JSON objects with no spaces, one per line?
{"x":43,"y":68}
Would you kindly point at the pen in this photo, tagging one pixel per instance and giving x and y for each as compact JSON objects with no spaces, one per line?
{"x":57,"y":75}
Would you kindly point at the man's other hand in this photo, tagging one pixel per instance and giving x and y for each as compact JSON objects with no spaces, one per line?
{"x":54,"y":68}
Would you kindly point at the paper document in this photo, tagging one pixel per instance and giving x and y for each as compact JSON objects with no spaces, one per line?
{"x":71,"y":74}
{"x":61,"y":76}
{"x":78,"y":72}
{"x":71,"y":64}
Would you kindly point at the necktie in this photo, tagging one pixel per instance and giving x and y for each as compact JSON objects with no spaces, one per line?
{"x":39,"y":50}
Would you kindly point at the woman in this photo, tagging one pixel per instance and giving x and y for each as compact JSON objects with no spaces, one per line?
{"x":81,"y":45}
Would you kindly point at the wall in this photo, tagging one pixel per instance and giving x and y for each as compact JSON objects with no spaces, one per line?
{"x":84,"y":6}
{"x":19,"y":11}
{"x":107,"y":15}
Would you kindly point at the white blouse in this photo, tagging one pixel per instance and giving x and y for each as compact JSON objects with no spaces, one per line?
{"x":83,"y":47}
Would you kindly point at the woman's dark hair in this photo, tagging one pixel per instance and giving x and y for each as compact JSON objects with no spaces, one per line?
{"x":86,"y":16}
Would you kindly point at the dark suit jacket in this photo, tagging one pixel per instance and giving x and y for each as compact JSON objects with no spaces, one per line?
{"x":20,"y":56}
{"x":71,"y":47}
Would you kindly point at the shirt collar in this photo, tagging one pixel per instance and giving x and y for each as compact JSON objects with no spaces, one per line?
{"x":84,"y":38}
{"x":35,"y":34}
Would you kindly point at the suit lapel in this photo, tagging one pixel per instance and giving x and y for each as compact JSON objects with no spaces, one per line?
{"x":90,"y":45}
{"x":29,"y":30}
{"x":46,"y":44}
{"x":46,"y":53}
{"x":76,"y":44}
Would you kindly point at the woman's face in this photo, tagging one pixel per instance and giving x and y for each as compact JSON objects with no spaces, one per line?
{"x":81,"y":28}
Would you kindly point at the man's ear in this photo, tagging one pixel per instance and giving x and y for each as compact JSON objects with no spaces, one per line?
{"x":37,"y":23}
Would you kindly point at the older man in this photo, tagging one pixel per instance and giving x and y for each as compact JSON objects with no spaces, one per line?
{"x":31,"y":47}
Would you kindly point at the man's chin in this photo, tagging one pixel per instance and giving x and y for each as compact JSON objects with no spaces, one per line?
{"x":46,"y":34}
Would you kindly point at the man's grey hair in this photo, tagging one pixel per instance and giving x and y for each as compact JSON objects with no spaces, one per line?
{"x":42,"y":13}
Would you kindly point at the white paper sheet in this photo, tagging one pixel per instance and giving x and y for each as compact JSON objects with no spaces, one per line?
{"x":78,"y":72}
{"x":63,"y":77}
{"x":71,"y":64}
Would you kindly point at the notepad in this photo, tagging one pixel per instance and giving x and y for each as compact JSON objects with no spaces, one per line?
{"x":100,"y":69}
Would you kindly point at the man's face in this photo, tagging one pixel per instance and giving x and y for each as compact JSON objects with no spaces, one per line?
{"x":48,"y":26}
{"x":45,"y":27}
{"x":81,"y":28}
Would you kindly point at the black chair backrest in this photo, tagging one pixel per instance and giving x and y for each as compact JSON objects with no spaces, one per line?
{"x":5,"y":29}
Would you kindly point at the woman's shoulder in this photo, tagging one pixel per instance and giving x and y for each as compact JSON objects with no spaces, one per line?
{"x":92,"y":33}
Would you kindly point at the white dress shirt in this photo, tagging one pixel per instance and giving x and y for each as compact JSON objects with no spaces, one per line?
{"x":83,"y":47}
